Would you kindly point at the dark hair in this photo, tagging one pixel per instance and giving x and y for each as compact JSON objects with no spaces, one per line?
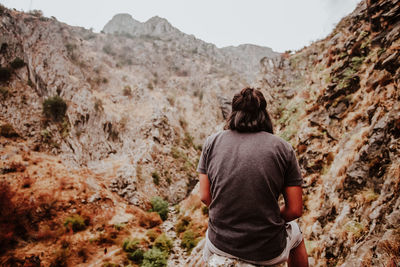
{"x":249,"y":112}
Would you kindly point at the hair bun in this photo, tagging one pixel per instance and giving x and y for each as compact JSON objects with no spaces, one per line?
{"x":246,"y":101}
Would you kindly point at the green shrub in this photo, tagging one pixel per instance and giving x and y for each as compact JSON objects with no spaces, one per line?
{"x":356,"y":62}
{"x":109,"y":264}
{"x":119,"y":226}
{"x":136,"y":256}
{"x":17,"y":63}
{"x":164,"y":243}
{"x":354,"y":227}
{"x":7,"y":130}
{"x":182,"y":224}
{"x":54,"y":107}
{"x":188,"y":140}
{"x":160,"y":206}
{"x":198,"y":93}
{"x":150,"y":86}
{"x":152,"y":235}
{"x":108,"y":50}
{"x":168,"y":179}
{"x":127,"y":91}
{"x":156,"y":178}
{"x":70,"y":47}
{"x":154,"y":258}
{"x":189,"y":240}
{"x":176,"y":153}
{"x":98,"y":105}
{"x":46,"y":135}
{"x":5,"y":74}
{"x":76,"y":222}
{"x":4,"y":92}
{"x":130,"y":245}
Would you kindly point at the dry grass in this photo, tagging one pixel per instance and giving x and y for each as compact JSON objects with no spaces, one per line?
{"x":144,"y":219}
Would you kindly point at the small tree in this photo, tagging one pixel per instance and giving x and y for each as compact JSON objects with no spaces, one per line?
{"x":160,"y":206}
{"x":76,"y":222}
{"x":17,"y":63}
{"x":55,"y":108}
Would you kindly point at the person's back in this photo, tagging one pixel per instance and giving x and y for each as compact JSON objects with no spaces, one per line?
{"x":244,"y":169}
{"x":247,"y":173}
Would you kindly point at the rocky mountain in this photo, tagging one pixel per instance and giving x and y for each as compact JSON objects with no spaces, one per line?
{"x":95,"y":127}
{"x":132,"y":96}
{"x":244,"y":59}
{"x":126,"y":112}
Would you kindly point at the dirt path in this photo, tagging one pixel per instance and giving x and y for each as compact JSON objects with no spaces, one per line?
{"x":178,"y":255}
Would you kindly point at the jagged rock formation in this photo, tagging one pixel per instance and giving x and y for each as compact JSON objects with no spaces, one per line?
{"x":125,"y":24}
{"x":337,"y":102}
{"x":132,"y":97}
{"x":342,"y":115}
{"x":243,"y":59}
{"x":138,"y":104}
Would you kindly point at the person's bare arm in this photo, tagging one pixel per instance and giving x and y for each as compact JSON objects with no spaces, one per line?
{"x":293,"y":207}
{"x":205,"y":194}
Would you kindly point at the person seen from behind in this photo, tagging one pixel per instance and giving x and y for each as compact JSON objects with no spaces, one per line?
{"x":243,"y":171}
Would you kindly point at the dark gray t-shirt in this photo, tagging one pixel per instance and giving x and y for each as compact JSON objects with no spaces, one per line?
{"x":247,"y":173}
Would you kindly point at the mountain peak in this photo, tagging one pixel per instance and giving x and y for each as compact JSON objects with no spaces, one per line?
{"x":157,"y":19}
{"x":121,"y":23}
{"x":125,"y":23}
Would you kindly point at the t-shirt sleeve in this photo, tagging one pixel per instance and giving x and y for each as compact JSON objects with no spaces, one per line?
{"x":293,"y":174}
{"x":202,"y":166}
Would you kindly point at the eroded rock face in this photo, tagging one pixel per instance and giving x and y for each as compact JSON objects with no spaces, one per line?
{"x":337,"y":103}
{"x":133,"y":96}
{"x":343,"y":122}
{"x":243,"y":59}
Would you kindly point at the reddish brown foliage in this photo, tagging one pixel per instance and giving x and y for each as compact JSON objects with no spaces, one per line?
{"x":20,"y":217}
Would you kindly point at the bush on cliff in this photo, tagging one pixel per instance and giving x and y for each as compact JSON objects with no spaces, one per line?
{"x":55,"y":108}
{"x":163,"y":243}
{"x":8,"y":131}
{"x":154,"y":258}
{"x":76,"y":222}
{"x":189,"y":240}
{"x":17,"y":63}
{"x":160,"y":206}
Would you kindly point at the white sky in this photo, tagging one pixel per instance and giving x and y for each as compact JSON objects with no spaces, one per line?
{"x":279,"y":24}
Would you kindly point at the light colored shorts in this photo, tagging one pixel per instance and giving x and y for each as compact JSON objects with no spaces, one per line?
{"x":294,"y":238}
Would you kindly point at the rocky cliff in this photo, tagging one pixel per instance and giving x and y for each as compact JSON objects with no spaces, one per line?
{"x":337,"y":102}
{"x":127,"y":110}
{"x":343,"y":120}
{"x":133,"y":96}
{"x":243,"y":59}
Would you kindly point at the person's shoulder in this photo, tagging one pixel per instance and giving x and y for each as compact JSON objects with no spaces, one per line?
{"x":277,"y":141}
{"x":214,"y":136}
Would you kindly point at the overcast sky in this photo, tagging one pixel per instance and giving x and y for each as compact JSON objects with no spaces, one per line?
{"x":279,"y":24}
